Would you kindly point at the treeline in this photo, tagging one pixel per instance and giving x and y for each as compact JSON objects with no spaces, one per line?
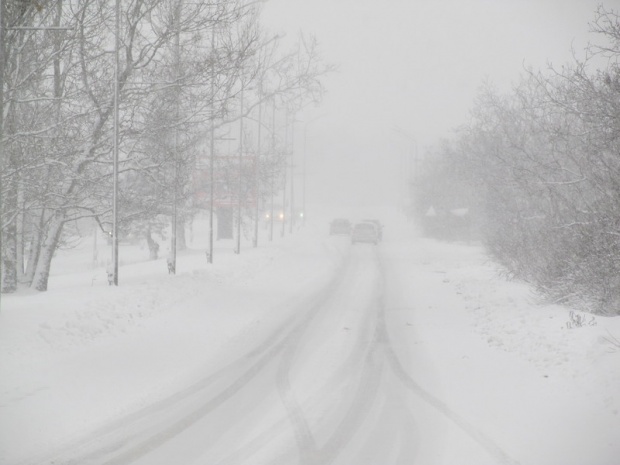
{"x":538,"y":172}
{"x":186,"y":72}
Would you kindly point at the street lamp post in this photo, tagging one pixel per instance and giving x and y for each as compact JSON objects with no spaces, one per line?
{"x":2,"y":59}
{"x":257,"y":166}
{"x":284,"y":183}
{"x":172,"y":264}
{"x":292,"y":215}
{"x":273,"y":151}
{"x":240,"y":173}
{"x":117,"y":28}
{"x":212,"y":147}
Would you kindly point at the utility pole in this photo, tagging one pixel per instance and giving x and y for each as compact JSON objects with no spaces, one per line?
{"x":2,"y":61}
{"x":257,"y":163}
{"x":286,"y":118}
{"x":175,"y":158}
{"x":116,"y":141}
{"x":212,"y":147}
{"x":273,"y":154}
{"x":240,"y":173}
{"x":303,"y":178}
{"x":292,"y":215}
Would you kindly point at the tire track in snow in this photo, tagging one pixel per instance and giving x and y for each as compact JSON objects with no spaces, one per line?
{"x":364,"y":365}
{"x":394,"y":362}
{"x":126,"y":440}
{"x":376,"y":354}
{"x":309,"y":452}
{"x":366,"y":389}
{"x":365,"y":395}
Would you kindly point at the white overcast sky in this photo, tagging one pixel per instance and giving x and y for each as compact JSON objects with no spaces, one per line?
{"x":415,"y":65}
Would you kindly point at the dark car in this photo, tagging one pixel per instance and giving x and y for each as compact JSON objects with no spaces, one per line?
{"x":340,"y":226}
{"x":364,"y":232}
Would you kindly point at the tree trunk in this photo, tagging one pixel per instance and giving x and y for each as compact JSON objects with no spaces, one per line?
{"x":19,"y":234}
{"x":9,"y":235}
{"x":35,"y":249}
{"x":181,"y":239}
{"x":42,"y":273}
{"x":153,"y":246}
{"x":9,"y":261}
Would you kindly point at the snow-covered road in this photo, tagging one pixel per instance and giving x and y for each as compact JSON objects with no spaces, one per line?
{"x":325,"y":386}
{"x":316,"y":353}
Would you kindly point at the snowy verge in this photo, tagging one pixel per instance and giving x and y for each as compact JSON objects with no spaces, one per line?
{"x":521,"y":372}
{"x":84,"y":353}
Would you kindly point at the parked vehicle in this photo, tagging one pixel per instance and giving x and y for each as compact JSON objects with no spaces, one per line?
{"x":340,"y":226}
{"x":365,"y":232}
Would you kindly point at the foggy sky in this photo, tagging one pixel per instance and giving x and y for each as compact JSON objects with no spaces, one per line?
{"x":408,"y":72}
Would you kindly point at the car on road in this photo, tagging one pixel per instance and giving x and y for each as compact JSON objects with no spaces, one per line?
{"x":378,"y":225}
{"x":340,"y":226}
{"x":364,"y":232}
{"x":278,"y":215}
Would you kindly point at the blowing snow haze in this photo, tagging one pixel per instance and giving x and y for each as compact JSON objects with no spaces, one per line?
{"x":459,"y":312}
{"x":407,"y":74}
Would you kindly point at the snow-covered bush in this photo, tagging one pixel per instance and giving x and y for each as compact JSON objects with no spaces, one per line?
{"x":540,"y":165}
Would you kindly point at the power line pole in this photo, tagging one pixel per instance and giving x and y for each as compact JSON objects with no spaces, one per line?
{"x":292,"y":215}
{"x":175,"y":195}
{"x":2,"y":61}
{"x":212,"y":148}
{"x":117,"y":34}
{"x":240,"y":172}
{"x":286,"y":118}
{"x":257,"y":163}
{"x":303,"y":177}
{"x":273,"y":154}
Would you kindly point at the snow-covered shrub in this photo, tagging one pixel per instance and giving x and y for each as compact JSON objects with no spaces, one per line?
{"x":577,"y":320}
{"x":540,"y":165}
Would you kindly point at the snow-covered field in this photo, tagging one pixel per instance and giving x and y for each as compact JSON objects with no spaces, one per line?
{"x":486,"y":356}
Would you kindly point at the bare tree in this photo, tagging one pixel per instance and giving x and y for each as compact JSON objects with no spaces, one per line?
{"x":543,"y":160}
{"x":182,"y":67}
